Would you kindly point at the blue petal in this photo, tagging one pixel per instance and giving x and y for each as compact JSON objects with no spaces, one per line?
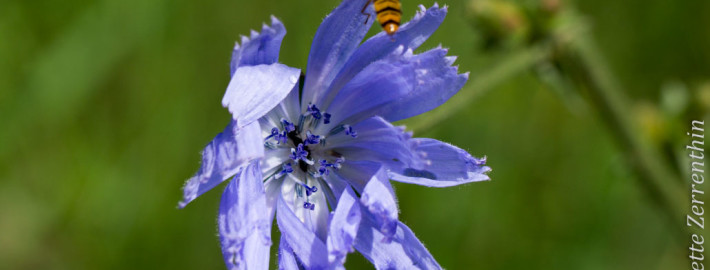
{"x":244,"y":222}
{"x":273,"y":158}
{"x":436,"y":81}
{"x":288,"y":109}
{"x":404,"y":251}
{"x":401,"y":86}
{"x":316,"y":219}
{"x":379,"y":201}
{"x":337,"y":37}
{"x":260,"y":48}
{"x":440,"y":164}
{"x":377,"y":141}
{"x":343,"y":227}
{"x":358,"y":172}
{"x":287,"y":261}
{"x":307,"y":246}
{"x":255,"y":90}
{"x":411,"y":35}
{"x":334,"y":186}
{"x":224,"y":157}
{"x":272,"y":188}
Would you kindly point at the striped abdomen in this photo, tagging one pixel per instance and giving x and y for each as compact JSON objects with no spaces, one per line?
{"x":389,"y":14}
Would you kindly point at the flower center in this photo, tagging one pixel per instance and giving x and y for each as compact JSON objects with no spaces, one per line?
{"x":306,"y":149}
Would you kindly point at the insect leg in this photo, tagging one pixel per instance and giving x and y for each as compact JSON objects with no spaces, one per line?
{"x":364,"y":8}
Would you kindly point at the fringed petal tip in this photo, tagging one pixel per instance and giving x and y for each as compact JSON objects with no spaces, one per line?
{"x":403,"y":133}
{"x":273,"y":29}
{"x":445,"y":8}
{"x":407,"y":54}
{"x":449,"y":60}
{"x":189,"y":192}
{"x":434,"y":9}
{"x":408,"y":84}
{"x":476,"y":166}
{"x":275,"y":21}
{"x":439,"y":164}
{"x":260,"y":47}
{"x":191,"y":189}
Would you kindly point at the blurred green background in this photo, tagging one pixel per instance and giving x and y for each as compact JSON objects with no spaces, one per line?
{"x":106,"y":104}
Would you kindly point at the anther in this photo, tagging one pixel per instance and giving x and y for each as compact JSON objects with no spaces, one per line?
{"x":309,"y":206}
{"x":285,"y":169}
{"x":274,"y":132}
{"x":324,"y":165}
{"x":350,"y":131}
{"x":309,"y":190}
{"x":300,"y":154}
{"x":314,"y":111}
{"x":282,"y":138}
{"x":323,"y":171}
{"x":288,"y":126}
{"x":311,"y":139}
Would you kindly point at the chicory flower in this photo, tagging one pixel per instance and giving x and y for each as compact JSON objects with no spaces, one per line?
{"x":318,"y":151}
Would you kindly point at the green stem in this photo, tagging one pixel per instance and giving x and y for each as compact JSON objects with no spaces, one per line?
{"x":607,"y":97}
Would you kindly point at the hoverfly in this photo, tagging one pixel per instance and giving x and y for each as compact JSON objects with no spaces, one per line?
{"x":389,"y":14}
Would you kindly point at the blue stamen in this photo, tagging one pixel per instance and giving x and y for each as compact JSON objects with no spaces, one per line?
{"x":309,"y":190}
{"x":282,"y":137}
{"x":350,"y":131}
{"x":286,"y":168}
{"x":279,"y":137}
{"x":309,"y":206}
{"x":274,"y":132}
{"x":324,"y":165}
{"x":311,"y":139}
{"x":326,"y":118}
{"x":323,"y":171}
{"x":300,"y":154}
{"x":314,"y":111}
{"x":288,"y":126}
